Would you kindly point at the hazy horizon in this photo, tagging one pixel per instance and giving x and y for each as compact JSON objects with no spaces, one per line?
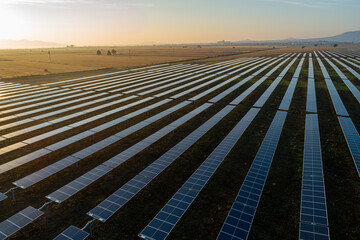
{"x":130,"y":22}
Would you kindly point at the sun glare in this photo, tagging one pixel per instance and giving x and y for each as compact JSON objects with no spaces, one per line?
{"x":11,"y":24}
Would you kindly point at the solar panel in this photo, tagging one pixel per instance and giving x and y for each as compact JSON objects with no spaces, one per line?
{"x":171,"y":84}
{"x":3,"y":119}
{"x":62,"y":92}
{"x":336,"y":100}
{"x":313,"y":213}
{"x":57,"y":105}
{"x":115,"y":201}
{"x":121,"y":81}
{"x":59,"y":165}
{"x":105,"y":74}
{"x":45,"y":102}
{"x":171,"y":213}
{"x":352,"y":138}
{"x":311,"y":94}
{"x":2,"y":196}
{"x":29,"y":97}
{"x":72,"y":233}
{"x":265,"y":96}
{"x":60,"y":130}
{"x":154,"y":78}
{"x":109,"y":206}
{"x":242,"y":82}
{"x":45,"y":172}
{"x":248,"y":91}
{"x":36,"y":90}
{"x":14,"y":124}
{"x":73,"y":187}
{"x":22,"y":160}
{"x":47,"y":135}
{"x":68,"y":141}
{"x":157,"y":82}
{"x":311,"y":231}
{"x":206,"y":92}
{"x":223,"y":71}
{"x":18,"y":221}
{"x":239,"y":220}
{"x":352,"y":63}
{"x":285,"y":103}
{"x":112,"y":82}
{"x":198,"y":86}
{"x":349,"y":84}
{"x":26,"y":130}
{"x":50,"y":114}
{"x":12,"y":147}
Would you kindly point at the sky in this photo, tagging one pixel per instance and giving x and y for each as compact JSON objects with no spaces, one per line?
{"x":134,"y":22}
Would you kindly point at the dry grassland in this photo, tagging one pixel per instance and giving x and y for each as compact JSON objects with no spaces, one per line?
{"x":26,"y":62}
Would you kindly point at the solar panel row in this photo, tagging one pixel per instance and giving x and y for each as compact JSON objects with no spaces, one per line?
{"x":18,"y":221}
{"x":285,"y":103}
{"x":72,"y":233}
{"x":190,"y":76}
{"x":347,"y":82}
{"x":40,"y":125}
{"x":86,"y":179}
{"x":73,"y":125}
{"x":242,"y":82}
{"x":198,"y":86}
{"x":171,"y":213}
{"x":115,"y":201}
{"x":27,"y":181}
{"x":37,"y":90}
{"x":103,"y":170}
{"x":336,"y":100}
{"x":111,"y":82}
{"x":68,"y":109}
{"x":30,"y":157}
{"x":349,"y":130}
{"x":40,"y":99}
{"x":352,"y":138}
{"x":311,"y":94}
{"x":131,"y":75}
{"x":154,"y":82}
{"x":104,"y":74}
{"x":20,"y":90}
{"x":354,"y":64}
{"x":58,"y":166}
{"x":261,"y":101}
{"x":138,"y":183}
{"x":144,"y":78}
{"x":313,"y":198}
{"x":335,"y":57}
{"x":239,"y":220}
{"x":165,"y":76}
{"x":171,"y":84}
{"x":38,"y":104}
{"x":248,"y":91}
{"x":12,"y":124}
{"x":48,"y":92}
{"x":223,"y":83}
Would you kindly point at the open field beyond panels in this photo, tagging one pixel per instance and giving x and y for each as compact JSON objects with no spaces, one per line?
{"x":32,"y":63}
{"x":249,"y":147}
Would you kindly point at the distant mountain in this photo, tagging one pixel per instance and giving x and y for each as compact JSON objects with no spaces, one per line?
{"x":23,"y":43}
{"x":347,"y":37}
